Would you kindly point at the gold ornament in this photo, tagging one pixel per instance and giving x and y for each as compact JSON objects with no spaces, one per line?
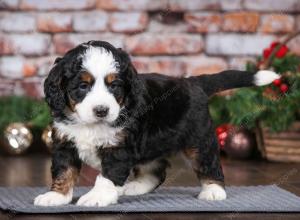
{"x":47,"y":137}
{"x":17,"y":138}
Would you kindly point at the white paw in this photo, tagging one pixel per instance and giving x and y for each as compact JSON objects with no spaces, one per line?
{"x":137,"y":188}
{"x":141,"y":185}
{"x":53,"y":199}
{"x":98,"y":198}
{"x":212,"y":192}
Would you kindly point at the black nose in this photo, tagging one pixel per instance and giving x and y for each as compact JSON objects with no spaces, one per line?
{"x":100,"y":111}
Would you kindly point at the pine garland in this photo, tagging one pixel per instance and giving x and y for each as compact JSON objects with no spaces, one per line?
{"x":34,"y":113}
{"x":275,"y":107}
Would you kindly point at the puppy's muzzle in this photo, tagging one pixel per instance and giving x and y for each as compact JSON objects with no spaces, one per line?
{"x":101,"y":111}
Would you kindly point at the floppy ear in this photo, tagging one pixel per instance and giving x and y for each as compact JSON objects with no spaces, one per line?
{"x":126,"y":65}
{"x":54,"y":94}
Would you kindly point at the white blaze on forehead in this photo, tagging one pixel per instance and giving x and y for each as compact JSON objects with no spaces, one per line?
{"x":99,"y":62}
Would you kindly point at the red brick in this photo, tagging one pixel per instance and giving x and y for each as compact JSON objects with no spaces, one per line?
{"x":237,"y":44}
{"x":273,"y":5}
{"x":17,"y":22}
{"x":65,"y":42}
{"x":29,"y":70}
{"x":90,"y":21}
{"x":164,"y":65}
{"x":61,"y":5}
{"x":54,"y":22}
{"x":294,"y":45}
{"x":26,"y":44}
{"x":277,"y":23}
{"x":153,"y":44}
{"x":128,"y":22}
{"x":197,"y":65}
{"x":194,"y":5}
{"x":203,"y":22}
{"x":241,"y":21}
{"x":32,"y":87}
{"x":131,"y":5}
{"x":5,"y":46}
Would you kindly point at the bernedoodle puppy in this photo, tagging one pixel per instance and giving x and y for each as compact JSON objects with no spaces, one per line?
{"x":117,"y":121}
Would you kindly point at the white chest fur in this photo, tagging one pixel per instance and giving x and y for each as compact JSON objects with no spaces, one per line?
{"x":88,"y":138}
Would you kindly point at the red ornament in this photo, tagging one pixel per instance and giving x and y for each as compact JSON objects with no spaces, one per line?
{"x":277,"y":82}
{"x":282,"y":51}
{"x":284,"y":88}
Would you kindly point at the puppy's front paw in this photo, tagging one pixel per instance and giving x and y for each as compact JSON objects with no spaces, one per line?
{"x":212,"y":192}
{"x":53,"y":199}
{"x":98,"y":198}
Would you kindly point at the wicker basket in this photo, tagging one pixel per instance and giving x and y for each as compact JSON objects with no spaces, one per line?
{"x":283,"y":146}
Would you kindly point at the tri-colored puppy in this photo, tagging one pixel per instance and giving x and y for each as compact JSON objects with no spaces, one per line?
{"x":118,"y":121}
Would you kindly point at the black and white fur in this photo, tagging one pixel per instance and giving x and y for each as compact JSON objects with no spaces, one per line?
{"x":149,"y":117}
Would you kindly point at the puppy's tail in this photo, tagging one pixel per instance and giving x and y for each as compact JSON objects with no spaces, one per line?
{"x":231,"y":79}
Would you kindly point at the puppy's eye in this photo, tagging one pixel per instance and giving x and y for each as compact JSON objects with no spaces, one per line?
{"x":115,"y":84}
{"x":84,"y":86}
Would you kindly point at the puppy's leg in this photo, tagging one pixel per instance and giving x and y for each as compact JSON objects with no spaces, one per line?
{"x":103,"y":193}
{"x":206,"y":163}
{"x":65,"y":170}
{"x":147,"y":177}
{"x":115,"y":170}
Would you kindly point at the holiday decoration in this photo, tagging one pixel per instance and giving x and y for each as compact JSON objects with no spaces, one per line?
{"x":47,"y":137}
{"x":222,"y":133}
{"x":240,"y":143}
{"x":272,"y":111}
{"x":17,"y":114}
{"x":275,"y":106}
{"x":16,"y":138}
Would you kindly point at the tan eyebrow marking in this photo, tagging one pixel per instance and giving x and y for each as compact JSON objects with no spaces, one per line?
{"x":87,"y":77}
{"x":110,"y":78}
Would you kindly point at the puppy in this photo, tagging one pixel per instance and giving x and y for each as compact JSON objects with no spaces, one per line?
{"x":117,"y":121}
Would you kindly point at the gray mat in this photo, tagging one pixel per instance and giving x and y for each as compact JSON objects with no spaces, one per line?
{"x":173,"y":199}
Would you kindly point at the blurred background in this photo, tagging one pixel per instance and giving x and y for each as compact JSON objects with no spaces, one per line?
{"x":179,"y":38}
{"x":175,"y":37}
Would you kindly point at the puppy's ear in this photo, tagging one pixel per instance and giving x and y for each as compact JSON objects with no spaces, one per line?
{"x":126,"y":65}
{"x":54,"y":94}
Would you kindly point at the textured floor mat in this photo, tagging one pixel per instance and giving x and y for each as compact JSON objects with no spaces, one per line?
{"x":172,"y":199}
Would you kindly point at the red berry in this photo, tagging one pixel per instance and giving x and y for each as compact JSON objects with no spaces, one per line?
{"x":267,"y":52}
{"x":284,"y":88}
{"x":219,"y":130}
{"x":277,"y":82}
{"x":274,"y":44}
{"x":282,"y":52}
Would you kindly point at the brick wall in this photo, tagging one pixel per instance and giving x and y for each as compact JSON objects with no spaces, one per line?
{"x":175,"y":37}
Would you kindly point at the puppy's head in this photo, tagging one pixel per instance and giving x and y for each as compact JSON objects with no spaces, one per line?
{"x":90,"y":83}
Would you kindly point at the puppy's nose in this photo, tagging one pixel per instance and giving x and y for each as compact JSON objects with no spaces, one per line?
{"x":101,"y":111}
